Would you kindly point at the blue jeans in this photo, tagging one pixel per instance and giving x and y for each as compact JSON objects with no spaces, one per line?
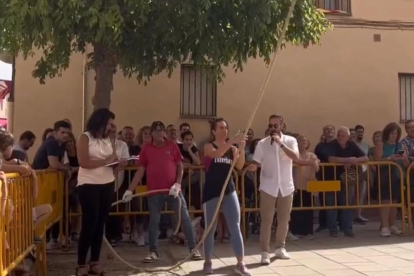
{"x":155,"y":205}
{"x":346,"y":214}
{"x":231,"y":210}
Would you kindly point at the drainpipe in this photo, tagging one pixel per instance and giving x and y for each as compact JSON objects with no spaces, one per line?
{"x":84,"y":92}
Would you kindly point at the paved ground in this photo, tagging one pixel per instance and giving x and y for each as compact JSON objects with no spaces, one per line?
{"x":367,"y":254}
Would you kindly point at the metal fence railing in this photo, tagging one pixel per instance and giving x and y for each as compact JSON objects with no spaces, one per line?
{"x":339,"y":188}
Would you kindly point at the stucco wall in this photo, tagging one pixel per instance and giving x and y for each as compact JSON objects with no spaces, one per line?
{"x":349,"y":79}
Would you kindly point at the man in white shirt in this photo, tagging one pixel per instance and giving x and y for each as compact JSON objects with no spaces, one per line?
{"x":114,"y":224}
{"x":275,"y":154}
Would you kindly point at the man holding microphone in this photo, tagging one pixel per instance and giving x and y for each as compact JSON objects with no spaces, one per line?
{"x":275,"y":154}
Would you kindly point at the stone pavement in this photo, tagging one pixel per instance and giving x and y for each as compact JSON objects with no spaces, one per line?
{"x":367,"y":254}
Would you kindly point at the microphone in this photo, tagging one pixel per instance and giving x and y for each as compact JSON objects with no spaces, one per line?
{"x":273,"y":132}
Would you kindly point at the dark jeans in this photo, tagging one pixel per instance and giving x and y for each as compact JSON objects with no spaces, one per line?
{"x":301,"y":222}
{"x":322,"y":213}
{"x":113,"y":228}
{"x":346,"y":217}
{"x":96,"y":201}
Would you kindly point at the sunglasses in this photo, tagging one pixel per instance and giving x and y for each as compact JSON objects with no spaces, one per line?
{"x":273,"y":125}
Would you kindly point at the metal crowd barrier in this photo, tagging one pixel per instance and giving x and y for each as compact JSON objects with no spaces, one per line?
{"x":50,"y":191}
{"x":410,"y":195}
{"x":19,"y":232}
{"x":330,"y":186}
{"x":16,"y":227}
{"x":17,"y":224}
{"x":192,"y":186}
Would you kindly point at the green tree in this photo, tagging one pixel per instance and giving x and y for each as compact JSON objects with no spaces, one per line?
{"x":143,"y":38}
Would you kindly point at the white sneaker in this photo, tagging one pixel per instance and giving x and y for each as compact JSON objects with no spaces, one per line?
{"x":140,"y":241}
{"x":385,"y":232}
{"x":291,"y":237}
{"x":281,"y":253}
{"x":265,"y":258}
{"x":394,"y":230}
{"x":151,"y":257}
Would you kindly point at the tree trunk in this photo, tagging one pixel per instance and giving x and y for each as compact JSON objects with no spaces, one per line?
{"x":104,"y":65}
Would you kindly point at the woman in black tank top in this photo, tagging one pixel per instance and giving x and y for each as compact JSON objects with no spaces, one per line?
{"x":220,"y":154}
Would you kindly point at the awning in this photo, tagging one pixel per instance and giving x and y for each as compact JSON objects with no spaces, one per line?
{"x":5,"y":88}
{"x":6,"y":71}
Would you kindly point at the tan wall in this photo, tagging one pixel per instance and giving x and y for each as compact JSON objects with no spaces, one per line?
{"x":347,"y":80}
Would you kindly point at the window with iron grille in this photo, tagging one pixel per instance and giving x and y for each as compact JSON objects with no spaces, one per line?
{"x":198,"y":93}
{"x":333,"y":6}
{"x":406,"y":96}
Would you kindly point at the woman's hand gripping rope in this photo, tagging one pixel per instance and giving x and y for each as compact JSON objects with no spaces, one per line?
{"x":249,"y":123}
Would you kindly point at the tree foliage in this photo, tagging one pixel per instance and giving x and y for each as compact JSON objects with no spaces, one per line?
{"x":143,"y":38}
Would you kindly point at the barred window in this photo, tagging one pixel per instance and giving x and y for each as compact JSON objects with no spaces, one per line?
{"x":198,"y":97}
{"x":334,"y":5}
{"x":406,"y":96}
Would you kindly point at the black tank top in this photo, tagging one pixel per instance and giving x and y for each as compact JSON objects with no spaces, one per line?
{"x":216,"y":175}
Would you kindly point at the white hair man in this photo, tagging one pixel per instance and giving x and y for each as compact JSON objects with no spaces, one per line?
{"x":349,"y":155}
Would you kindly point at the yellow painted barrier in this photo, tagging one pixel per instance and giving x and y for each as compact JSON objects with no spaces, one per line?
{"x":19,"y":231}
{"x":17,"y":239}
{"x":331,"y":188}
{"x":192,"y":193}
{"x":410,"y":195}
{"x":16,"y":234}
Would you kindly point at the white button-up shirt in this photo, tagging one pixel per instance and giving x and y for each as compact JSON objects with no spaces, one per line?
{"x":276,"y":166}
{"x":122,"y":152}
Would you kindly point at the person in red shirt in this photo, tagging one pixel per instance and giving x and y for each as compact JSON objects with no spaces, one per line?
{"x":162,"y":162}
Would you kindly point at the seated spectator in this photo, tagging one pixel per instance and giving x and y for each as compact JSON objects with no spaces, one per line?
{"x":26,"y":141}
{"x":46,"y":134}
{"x":301,"y":223}
{"x":387,"y":185}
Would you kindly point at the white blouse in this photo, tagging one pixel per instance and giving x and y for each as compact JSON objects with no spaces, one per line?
{"x":99,"y":149}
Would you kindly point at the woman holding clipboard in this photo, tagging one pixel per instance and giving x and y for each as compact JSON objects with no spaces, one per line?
{"x":95,"y":187}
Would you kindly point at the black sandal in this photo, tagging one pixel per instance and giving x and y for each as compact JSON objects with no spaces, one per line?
{"x":101,"y":273}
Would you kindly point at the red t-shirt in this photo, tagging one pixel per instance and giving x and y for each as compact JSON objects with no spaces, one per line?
{"x":160,"y":164}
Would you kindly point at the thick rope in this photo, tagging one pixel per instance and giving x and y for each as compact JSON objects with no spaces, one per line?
{"x":229,"y":174}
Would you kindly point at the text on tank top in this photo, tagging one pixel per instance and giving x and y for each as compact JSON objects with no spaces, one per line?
{"x":216,"y":174}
